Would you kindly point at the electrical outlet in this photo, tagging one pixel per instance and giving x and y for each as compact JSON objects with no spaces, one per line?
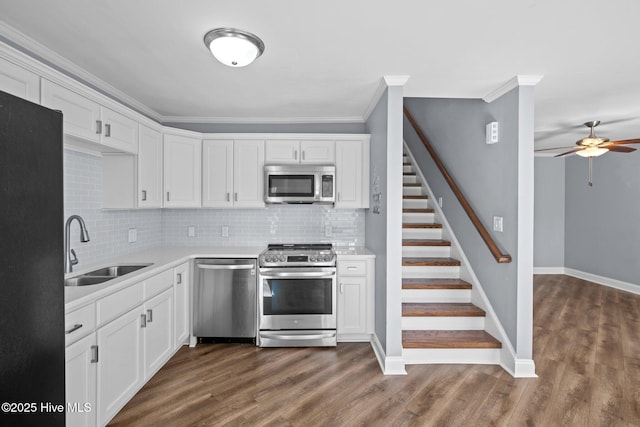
{"x":224,"y":231}
{"x":328,"y":231}
{"x":133,"y":235}
{"x":191,"y":231}
{"x":497,"y":223}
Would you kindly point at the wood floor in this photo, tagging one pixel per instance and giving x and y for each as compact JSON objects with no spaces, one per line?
{"x":586,"y":349}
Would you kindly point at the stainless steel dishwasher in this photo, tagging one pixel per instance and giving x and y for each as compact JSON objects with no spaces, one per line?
{"x":224,"y":299}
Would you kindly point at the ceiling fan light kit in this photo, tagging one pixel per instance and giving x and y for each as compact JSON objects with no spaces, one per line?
{"x":592,"y":152}
{"x":233,"y":47}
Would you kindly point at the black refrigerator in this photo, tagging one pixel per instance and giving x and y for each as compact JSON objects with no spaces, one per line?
{"x":31,"y":264}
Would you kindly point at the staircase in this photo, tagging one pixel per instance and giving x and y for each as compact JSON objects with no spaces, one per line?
{"x":439,"y":322}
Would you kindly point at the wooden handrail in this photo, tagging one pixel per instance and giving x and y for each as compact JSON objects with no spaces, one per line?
{"x":488,"y":240}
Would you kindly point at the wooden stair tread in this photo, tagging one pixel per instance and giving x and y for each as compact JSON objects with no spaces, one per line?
{"x":422,"y":196}
{"x":441,"y":309}
{"x":417,"y":210}
{"x":425,"y":242}
{"x":428,"y":283}
{"x":449,"y":339}
{"x":420,"y":225}
{"x":430,"y":262}
{"x":411,"y":184}
{"x":406,"y":164}
{"x":409,"y":173}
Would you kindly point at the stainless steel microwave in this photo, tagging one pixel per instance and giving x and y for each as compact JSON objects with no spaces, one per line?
{"x":300,"y":184}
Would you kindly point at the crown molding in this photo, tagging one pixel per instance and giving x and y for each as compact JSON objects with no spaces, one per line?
{"x":260,"y":120}
{"x":37,"y":51}
{"x":517,"y":81}
{"x":385,"y":82}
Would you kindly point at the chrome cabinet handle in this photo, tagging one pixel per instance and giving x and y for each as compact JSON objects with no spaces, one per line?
{"x":235,"y":196}
{"x":98,"y":127}
{"x":149,"y":316}
{"x":228,"y":197}
{"x":94,"y":354}
{"x":144,"y":195}
{"x":341,"y":288}
{"x":74,"y":328}
{"x":351,"y":268}
{"x":302,"y":154}
{"x":143,"y":320}
{"x":107,"y":130}
{"x":295,"y":154}
{"x":179,"y":278}
{"x":167,"y":196}
{"x":338,"y":196}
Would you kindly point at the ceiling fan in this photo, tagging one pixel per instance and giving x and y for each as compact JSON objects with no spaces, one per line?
{"x":594,"y":146}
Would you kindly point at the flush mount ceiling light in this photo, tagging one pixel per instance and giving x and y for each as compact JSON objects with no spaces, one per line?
{"x":233,"y":47}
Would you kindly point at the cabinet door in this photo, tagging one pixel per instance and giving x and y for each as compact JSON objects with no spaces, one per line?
{"x":81,"y":116}
{"x":120,"y":132}
{"x":181,"y":301}
{"x":19,"y":82}
{"x":318,"y":152}
{"x":120,"y":365}
{"x":217,"y":173}
{"x":349,"y":174}
{"x":352,"y":312}
{"x":149,"y":168}
{"x":182,"y":172}
{"x":80,"y":382}
{"x":158,"y":332}
{"x":248,"y":174}
{"x":281,"y":152}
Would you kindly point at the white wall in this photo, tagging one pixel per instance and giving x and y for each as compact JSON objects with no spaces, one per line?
{"x":549,"y":213}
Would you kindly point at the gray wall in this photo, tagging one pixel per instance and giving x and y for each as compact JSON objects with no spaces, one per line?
{"x":271,"y":127}
{"x":602,"y":235}
{"x":487,"y":175}
{"x":376,"y":224}
{"x":549,"y":212}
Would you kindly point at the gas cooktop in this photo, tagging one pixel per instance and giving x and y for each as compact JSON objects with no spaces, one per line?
{"x":298,"y":255}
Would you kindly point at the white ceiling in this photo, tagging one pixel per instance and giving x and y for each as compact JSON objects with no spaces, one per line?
{"x":324,"y":60}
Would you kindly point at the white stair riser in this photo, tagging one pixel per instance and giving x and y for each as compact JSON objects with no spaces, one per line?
{"x":415,"y":203}
{"x":418,"y":217}
{"x":426,"y":251}
{"x":422,"y":233}
{"x":412,"y":191}
{"x":407,"y":169}
{"x":442,"y":323}
{"x":436,"y":295}
{"x":481,"y":356}
{"x":436,"y":272}
{"x":409,"y":179}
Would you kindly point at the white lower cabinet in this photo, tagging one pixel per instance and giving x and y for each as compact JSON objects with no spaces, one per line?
{"x":158,"y":332}
{"x":80,"y":382}
{"x":181,"y":303}
{"x":355,"y":299}
{"x":120,"y":363}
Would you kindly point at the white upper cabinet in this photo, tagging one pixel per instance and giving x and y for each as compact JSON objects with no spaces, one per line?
{"x":87,"y":120}
{"x":352,"y":174}
{"x":232,"y":173}
{"x":149,"y":168}
{"x":182,"y":171}
{"x":217,"y":173}
{"x":19,"y":82}
{"x":248,"y":173}
{"x":300,"y":152}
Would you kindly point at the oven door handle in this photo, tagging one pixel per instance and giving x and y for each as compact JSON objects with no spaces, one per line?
{"x":302,"y":274}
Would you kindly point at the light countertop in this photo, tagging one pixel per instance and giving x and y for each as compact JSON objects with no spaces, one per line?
{"x":162,"y":259}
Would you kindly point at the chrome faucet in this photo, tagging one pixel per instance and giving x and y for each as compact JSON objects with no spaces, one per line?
{"x":70,"y":258}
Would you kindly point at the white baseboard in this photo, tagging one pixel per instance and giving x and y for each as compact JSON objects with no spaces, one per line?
{"x":389,"y":365}
{"x":548,"y":270}
{"x":606,"y":281}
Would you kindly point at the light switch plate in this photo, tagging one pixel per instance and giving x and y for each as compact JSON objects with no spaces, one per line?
{"x":497,"y":223}
{"x":492,"y":133}
{"x":191,"y":231}
{"x":133,"y":235}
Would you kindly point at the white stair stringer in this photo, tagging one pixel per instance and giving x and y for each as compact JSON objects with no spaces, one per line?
{"x":504,"y":356}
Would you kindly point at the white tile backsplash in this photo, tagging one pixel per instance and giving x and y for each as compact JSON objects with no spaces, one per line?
{"x":109,"y":229}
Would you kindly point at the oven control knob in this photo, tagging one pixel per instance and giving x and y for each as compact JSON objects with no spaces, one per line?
{"x":312,"y":258}
{"x":269,"y":259}
{"x":282,"y":259}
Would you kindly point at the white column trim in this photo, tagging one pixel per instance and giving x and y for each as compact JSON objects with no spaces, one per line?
{"x":517,"y":81}
{"x":385,"y":82}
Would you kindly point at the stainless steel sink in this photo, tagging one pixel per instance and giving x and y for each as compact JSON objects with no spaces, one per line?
{"x":102,"y":275}
{"x":116,"y":270}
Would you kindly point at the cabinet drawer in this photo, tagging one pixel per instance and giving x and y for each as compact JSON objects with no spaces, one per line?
{"x":352,"y":268}
{"x":79,"y":323}
{"x":156,"y":284}
{"x":112,"y":306}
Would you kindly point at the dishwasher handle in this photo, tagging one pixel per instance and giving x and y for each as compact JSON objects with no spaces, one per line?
{"x":226,"y":266}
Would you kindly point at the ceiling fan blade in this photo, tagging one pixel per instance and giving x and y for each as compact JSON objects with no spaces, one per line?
{"x":626,"y":141}
{"x":569,"y":152}
{"x":554,"y":148}
{"x":620,"y":148}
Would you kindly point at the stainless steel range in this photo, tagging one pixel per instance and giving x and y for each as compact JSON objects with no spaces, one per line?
{"x":297,"y":296}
